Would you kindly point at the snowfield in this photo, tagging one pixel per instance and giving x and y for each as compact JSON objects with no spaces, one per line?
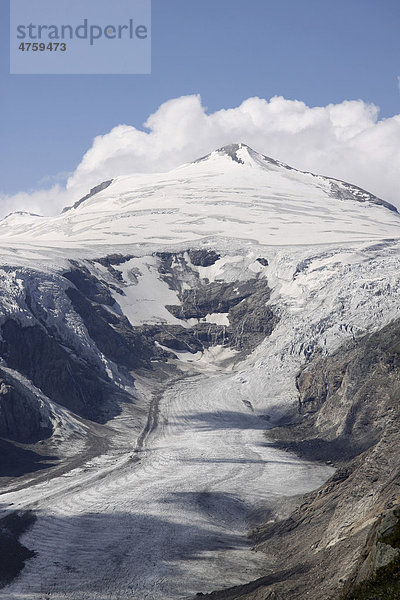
{"x":248,"y":197}
{"x":162,"y":512}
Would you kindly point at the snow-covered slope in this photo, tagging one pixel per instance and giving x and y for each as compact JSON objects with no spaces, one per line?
{"x":233,"y":193}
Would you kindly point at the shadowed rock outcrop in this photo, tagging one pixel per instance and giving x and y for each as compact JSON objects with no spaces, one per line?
{"x":60,"y":375}
{"x":203,"y":258}
{"x":23,"y":417}
{"x":244,"y":303}
{"x":16,"y":459}
{"x":112,"y":333}
{"x":347,"y":399}
{"x":89,"y":285}
{"x":215,"y":297}
{"x":95,"y":190}
{"x":195,"y":339}
{"x":13,"y":553}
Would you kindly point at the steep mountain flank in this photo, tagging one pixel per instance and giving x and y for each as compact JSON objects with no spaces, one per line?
{"x":378,"y":577}
{"x":24,"y":416}
{"x":347,"y":531}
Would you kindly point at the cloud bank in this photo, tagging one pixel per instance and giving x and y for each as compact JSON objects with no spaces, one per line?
{"x":346,"y":141}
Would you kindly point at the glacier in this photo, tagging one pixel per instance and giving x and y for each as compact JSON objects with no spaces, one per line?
{"x":155,"y":489}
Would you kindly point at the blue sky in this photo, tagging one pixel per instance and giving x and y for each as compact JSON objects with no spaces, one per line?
{"x":317,"y":51}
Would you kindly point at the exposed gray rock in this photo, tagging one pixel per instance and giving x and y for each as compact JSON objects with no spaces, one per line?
{"x":215,"y":297}
{"x":109,"y":262}
{"x":203,"y":258}
{"x":229,"y":150}
{"x":93,"y":191}
{"x":346,"y":191}
{"x":61,"y":376}
{"x":22,"y":419}
{"x":89,"y":285}
{"x":250,"y":319}
{"x":114,"y":259}
{"x":263,"y":261}
{"x":176,"y":272}
{"x":345,"y":398}
{"x":17,"y":460}
{"x":182,"y":339}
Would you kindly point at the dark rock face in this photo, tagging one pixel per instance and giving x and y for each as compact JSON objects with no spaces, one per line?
{"x":174,"y":270}
{"x":114,"y":259}
{"x":203,"y":258}
{"x":181,"y":339}
{"x":13,"y":553}
{"x":244,"y":302}
{"x":345,"y":398}
{"x":21,"y":419}
{"x":61,"y":376}
{"x":263,"y":261}
{"x":88,"y":285}
{"x":93,"y":191}
{"x":250,"y":319}
{"x":112,"y":333}
{"x":17,"y":460}
{"x":216,"y":297}
{"x":229,"y":150}
{"x":346,"y":191}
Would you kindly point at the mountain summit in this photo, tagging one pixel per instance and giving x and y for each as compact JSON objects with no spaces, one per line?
{"x":234,"y":192}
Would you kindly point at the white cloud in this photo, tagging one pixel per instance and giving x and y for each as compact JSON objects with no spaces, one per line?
{"x":346,"y":141}
{"x":44,"y":202}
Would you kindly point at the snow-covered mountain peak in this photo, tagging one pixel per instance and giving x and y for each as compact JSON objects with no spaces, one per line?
{"x":19,"y":217}
{"x":19,"y":214}
{"x":241,"y":155}
{"x":233,"y":194}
